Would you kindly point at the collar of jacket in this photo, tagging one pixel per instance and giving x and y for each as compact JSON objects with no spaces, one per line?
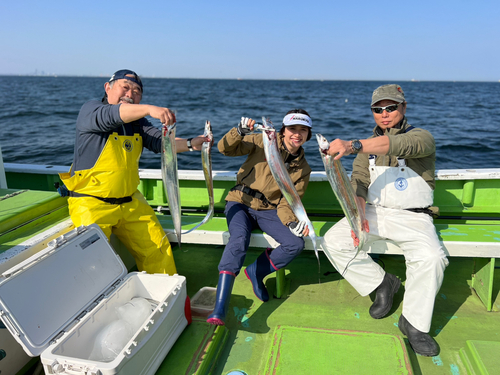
{"x":399,"y":128}
{"x":284,"y":151}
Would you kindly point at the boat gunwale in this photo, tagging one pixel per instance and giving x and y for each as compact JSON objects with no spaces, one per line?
{"x":222,"y":175}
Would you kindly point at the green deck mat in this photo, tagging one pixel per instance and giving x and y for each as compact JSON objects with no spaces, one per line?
{"x":315,"y":351}
{"x":481,"y":357}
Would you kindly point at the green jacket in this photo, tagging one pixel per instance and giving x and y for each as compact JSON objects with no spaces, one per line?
{"x":255,"y":173}
{"x":416,"y":146}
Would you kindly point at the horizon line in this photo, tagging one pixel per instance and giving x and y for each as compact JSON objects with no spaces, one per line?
{"x":246,"y":79}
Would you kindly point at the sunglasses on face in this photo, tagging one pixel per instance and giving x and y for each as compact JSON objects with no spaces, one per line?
{"x":389,"y":108}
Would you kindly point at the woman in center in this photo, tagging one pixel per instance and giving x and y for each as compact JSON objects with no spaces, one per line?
{"x":256,"y":202}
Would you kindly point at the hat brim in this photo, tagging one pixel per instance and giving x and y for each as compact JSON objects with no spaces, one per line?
{"x":399,"y":101}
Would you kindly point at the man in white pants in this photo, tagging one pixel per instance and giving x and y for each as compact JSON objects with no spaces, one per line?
{"x":393,"y":177}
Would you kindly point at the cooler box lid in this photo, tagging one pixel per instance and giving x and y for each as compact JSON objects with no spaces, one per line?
{"x":48,"y":293}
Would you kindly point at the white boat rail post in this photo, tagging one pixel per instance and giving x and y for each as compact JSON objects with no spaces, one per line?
{"x":3,"y":179}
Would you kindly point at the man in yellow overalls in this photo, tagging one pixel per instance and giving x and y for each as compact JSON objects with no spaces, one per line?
{"x":103,"y":180}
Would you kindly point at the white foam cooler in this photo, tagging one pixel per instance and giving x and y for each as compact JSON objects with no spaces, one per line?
{"x":56,"y":302}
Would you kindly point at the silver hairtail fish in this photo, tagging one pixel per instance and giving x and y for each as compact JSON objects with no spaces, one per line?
{"x":206,"y":162}
{"x":280,"y":174}
{"x":343,"y":190}
{"x":170,"y":177}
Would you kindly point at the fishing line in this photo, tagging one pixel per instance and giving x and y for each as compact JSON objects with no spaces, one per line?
{"x":348,"y":263}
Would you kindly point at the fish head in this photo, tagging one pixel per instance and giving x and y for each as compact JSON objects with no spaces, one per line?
{"x":208,"y":131}
{"x":268,"y":128}
{"x":322,"y":143}
{"x":167,"y":129}
{"x":267,"y":124}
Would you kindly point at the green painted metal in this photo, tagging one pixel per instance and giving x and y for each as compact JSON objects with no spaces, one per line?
{"x":481,"y":197}
{"x":196,"y":351}
{"x":32,"y":228}
{"x":479,"y":232}
{"x":454,"y":197}
{"x":446,"y":232}
{"x":24,"y":214}
{"x":466,"y":361}
{"x":280,"y":283}
{"x":468,"y":194}
{"x":483,"y":280}
{"x":213,"y":351}
{"x":336,"y":352}
{"x":33,"y":181}
{"x":481,"y":357}
{"x":21,"y":206}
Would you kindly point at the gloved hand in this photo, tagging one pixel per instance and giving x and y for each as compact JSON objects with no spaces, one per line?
{"x":297,"y":228}
{"x":244,"y":126}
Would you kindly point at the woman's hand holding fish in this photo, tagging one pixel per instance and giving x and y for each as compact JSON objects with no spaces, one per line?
{"x":300,"y":229}
{"x":245,"y":126}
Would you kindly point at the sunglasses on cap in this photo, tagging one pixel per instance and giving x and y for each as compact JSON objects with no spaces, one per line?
{"x":388,"y":108}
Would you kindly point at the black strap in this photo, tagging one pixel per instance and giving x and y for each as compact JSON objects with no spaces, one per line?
{"x":424,"y":210}
{"x":107,"y":200}
{"x":253,"y":193}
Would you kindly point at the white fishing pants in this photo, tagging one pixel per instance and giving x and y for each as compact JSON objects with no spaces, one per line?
{"x":425,"y":259}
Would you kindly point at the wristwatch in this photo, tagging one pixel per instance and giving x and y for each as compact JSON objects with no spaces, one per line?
{"x":190,"y":146}
{"x":356,"y":146}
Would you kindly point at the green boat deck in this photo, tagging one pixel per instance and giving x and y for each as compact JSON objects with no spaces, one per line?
{"x":320,"y":325}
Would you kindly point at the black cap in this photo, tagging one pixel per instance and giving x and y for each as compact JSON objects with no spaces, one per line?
{"x":125,"y":74}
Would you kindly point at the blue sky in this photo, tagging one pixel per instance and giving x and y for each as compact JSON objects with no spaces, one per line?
{"x":332,"y":40}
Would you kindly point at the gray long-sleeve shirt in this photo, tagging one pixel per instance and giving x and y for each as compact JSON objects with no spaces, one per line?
{"x":96,"y":121}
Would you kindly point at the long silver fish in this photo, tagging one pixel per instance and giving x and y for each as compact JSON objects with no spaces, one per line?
{"x":170,"y":176}
{"x":343,"y":190}
{"x":206,"y":162}
{"x":283,"y":179}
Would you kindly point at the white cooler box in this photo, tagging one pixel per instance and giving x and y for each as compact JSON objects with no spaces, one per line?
{"x":56,"y":302}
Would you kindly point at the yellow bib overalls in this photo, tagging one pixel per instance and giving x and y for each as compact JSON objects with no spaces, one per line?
{"x":116,"y":175}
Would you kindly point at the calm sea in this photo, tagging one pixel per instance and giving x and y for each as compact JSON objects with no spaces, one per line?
{"x":38,"y":114}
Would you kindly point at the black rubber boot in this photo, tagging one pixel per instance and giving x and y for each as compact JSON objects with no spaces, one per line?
{"x":256,"y":273}
{"x":385,"y":295}
{"x":222,"y":297}
{"x":422,"y":343}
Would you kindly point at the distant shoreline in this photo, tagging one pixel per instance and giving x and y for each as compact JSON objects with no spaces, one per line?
{"x":242,"y":79}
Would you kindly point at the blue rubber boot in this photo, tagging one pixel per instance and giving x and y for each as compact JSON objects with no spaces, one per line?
{"x":222,"y":297}
{"x":256,"y":273}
